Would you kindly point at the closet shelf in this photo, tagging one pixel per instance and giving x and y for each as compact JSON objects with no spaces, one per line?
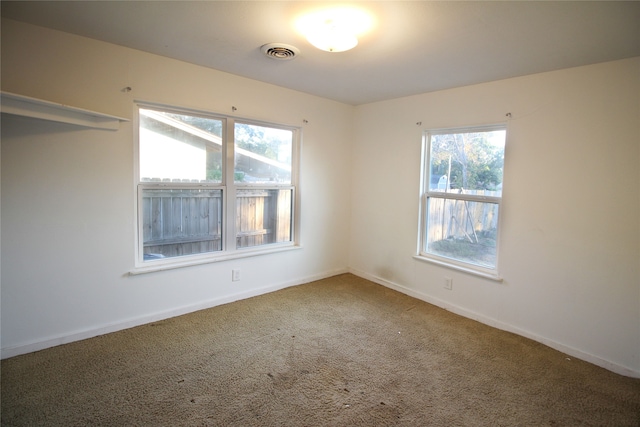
{"x":45,"y":110}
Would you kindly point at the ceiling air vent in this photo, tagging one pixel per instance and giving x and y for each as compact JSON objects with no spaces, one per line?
{"x":280,"y":51}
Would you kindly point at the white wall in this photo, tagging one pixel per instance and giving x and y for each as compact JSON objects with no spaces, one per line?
{"x":68,"y":192}
{"x":570,"y":243}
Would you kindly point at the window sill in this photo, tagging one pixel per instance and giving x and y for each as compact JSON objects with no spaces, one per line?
{"x":155,"y":266}
{"x":467,"y":270}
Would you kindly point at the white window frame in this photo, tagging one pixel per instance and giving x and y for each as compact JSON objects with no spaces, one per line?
{"x":426,"y":193}
{"x":227,"y":186}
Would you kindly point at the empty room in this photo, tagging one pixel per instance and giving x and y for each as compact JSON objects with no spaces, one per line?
{"x":238,"y":213}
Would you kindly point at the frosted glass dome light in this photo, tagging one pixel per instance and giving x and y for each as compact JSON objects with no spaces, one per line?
{"x":334,"y":30}
{"x":332,"y":38}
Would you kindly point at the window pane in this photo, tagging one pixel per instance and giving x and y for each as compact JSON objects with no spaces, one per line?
{"x":474,"y":162}
{"x":462,"y":230}
{"x":179,"y":148}
{"x":181,"y":222}
{"x":262,"y":154}
{"x":263,"y":216}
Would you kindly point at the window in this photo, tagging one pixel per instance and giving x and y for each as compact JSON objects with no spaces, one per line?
{"x":461,"y":197}
{"x":212,"y":187}
{"x":262,"y":178}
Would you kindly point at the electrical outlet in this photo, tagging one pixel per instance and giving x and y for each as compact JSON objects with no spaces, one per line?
{"x":448,"y":283}
{"x":235,"y":275}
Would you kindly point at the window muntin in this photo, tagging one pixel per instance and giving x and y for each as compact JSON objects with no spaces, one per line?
{"x":184,"y":192}
{"x":462,"y":196}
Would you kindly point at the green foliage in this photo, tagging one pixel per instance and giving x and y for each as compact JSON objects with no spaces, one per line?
{"x":253,"y":138}
{"x":474,"y":161}
{"x":214,"y":175}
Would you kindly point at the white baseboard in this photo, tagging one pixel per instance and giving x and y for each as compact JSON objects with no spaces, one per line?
{"x":11,"y":351}
{"x":570,"y":351}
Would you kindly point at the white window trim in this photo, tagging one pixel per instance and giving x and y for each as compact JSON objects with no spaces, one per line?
{"x":200,"y":259}
{"x":229,"y":250}
{"x":425,"y":194}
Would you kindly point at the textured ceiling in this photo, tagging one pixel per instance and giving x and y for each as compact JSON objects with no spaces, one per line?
{"x":414,"y":47}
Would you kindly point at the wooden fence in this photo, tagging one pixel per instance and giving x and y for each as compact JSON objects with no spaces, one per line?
{"x":263,"y":216}
{"x":181,"y":222}
{"x":449,"y":218}
{"x":189,"y":221}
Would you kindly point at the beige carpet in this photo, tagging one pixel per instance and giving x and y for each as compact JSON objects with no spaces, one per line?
{"x":337,"y":352}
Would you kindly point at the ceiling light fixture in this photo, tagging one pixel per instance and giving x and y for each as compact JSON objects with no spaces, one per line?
{"x":334,"y":30}
{"x":332,"y":38}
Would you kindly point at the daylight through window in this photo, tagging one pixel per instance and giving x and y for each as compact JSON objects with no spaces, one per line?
{"x":461,"y":197}
{"x":211,"y":186}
